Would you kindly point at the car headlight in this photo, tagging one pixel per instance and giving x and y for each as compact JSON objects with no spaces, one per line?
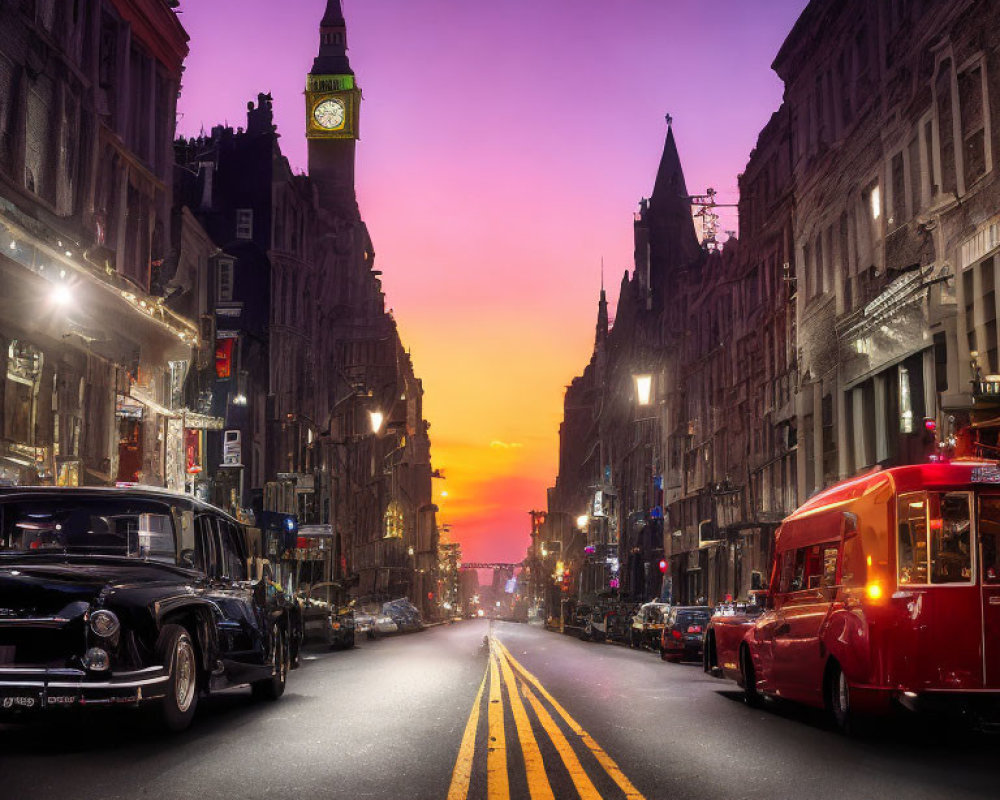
{"x":104,"y":623}
{"x":96,"y":659}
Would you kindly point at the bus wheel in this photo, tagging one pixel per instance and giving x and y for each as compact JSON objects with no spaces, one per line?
{"x":839,"y":698}
{"x":750,"y":694}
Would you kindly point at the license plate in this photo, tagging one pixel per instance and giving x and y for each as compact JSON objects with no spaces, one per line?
{"x":6,"y":654}
{"x":21,"y":701}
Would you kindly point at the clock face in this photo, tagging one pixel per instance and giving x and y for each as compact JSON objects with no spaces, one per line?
{"x":329,"y":114}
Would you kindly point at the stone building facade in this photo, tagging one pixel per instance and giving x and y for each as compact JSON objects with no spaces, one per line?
{"x":307,"y":356}
{"x":94,"y":360}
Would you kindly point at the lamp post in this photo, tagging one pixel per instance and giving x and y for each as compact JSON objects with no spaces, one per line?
{"x":650,"y":503}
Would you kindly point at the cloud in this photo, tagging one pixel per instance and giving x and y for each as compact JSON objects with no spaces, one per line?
{"x":505,"y":445}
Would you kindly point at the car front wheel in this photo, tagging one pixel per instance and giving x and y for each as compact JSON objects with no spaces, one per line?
{"x":750,"y":694}
{"x":272,"y":688}
{"x":839,"y":701}
{"x":175,"y":649}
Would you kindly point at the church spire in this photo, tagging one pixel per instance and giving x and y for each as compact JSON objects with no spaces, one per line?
{"x":669,"y":189}
{"x":332,"y":57}
{"x":602,"y":318}
{"x":673,"y":242}
{"x":334,"y":15}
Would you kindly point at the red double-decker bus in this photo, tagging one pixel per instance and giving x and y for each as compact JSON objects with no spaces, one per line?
{"x":884,"y":589}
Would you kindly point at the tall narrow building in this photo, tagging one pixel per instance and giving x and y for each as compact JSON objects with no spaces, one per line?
{"x":333,"y":107}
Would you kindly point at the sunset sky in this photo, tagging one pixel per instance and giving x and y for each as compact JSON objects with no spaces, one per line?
{"x":504,"y":147}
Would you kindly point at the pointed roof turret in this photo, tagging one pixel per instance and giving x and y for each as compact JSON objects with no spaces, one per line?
{"x":332,"y":57}
{"x":673,"y":241}
{"x":334,"y":15}
{"x":669,"y":189}
{"x":602,"y":318}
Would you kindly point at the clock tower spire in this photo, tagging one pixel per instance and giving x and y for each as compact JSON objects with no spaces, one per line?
{"x":333,"y":105}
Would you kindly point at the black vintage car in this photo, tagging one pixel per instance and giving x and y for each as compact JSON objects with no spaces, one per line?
{"x":133,"y":597}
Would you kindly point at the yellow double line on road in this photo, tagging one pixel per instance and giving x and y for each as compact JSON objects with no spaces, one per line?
{"x":518,"y":681}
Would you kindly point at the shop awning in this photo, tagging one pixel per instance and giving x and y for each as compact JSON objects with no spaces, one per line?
{"x":190,"y":419}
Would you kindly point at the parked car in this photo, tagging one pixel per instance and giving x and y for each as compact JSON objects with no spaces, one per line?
{"x":326,"y":617}
{"x":384,"y":624}
{"x":133,"y":597}
{"x":647,"y":623}
{"x":404,"y":614}
{"x":683,"y":634}
{"x":364,"y":623}
{"x":595,"y":624}
{"x":619,"y":621}
{"x":729,"y":624}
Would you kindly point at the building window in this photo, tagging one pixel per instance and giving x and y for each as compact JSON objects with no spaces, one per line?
{"x":875,"y":201}
{"x":224,"y":284}
{"x":916,"y":178}
{"x":945,"y":127}
{"x":929,"y":182}
{"x":7,"y":115}
{"x":970,"y":102}
{"x":394,"y":521}
{"x":244,"y":223}
{"x":20,"y":400}
{"x":897,"y":188}
{"x":39,"y":161}
{"x":905,"y":402}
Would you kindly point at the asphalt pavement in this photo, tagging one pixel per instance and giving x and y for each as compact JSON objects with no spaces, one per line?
{"x":527,"y":713}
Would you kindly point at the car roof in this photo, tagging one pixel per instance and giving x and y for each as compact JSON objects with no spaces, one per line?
{"x":94,"y":492}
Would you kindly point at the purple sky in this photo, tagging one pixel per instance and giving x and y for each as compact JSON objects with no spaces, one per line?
{"x":505,"y":145}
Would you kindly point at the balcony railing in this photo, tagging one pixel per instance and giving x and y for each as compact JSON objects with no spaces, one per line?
{"x":986,"y":389}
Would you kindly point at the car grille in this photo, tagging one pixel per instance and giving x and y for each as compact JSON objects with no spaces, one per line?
{"x":41,"y":646}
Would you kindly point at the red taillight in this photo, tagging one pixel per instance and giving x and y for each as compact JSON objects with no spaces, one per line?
{"x":694,"y":629}
{"x":676,"y":634}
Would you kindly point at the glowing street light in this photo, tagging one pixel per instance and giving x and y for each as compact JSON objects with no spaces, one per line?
{"x":376,"y":419}
{"x":61,"y":295}
{"x":581,"y":522}
{"x":643,"y":389}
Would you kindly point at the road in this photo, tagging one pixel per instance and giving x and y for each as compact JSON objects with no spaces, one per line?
{"x":399,"y":718}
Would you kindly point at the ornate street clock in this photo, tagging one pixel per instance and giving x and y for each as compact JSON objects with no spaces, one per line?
{"x":332,"y":104}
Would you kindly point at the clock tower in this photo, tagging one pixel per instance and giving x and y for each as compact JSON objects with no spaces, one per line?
{"x":333,"y":105}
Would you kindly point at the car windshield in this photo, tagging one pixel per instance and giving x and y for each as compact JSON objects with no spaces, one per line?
{"x":687,"y":619}
{"x":88,"y":526}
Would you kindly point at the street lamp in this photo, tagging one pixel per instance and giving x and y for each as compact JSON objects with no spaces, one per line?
{"x":581,"y":522}
{"x":61,"y":295}
{"x":376,"y":420}
{"x":643,"y":389}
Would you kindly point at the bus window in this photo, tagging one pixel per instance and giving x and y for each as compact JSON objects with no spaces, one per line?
{"x":798,"y":571}
{"x":785,"y":584}
{"x":853,"y":567}
{"x":913,"y":538}
{"x":951,"y":538}
{"x":812,"y":572}
{"x":830,"y":551}
{"x":989,"y":538}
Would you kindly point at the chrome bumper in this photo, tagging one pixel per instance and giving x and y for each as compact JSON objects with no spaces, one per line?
{"x":35,"y":689}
